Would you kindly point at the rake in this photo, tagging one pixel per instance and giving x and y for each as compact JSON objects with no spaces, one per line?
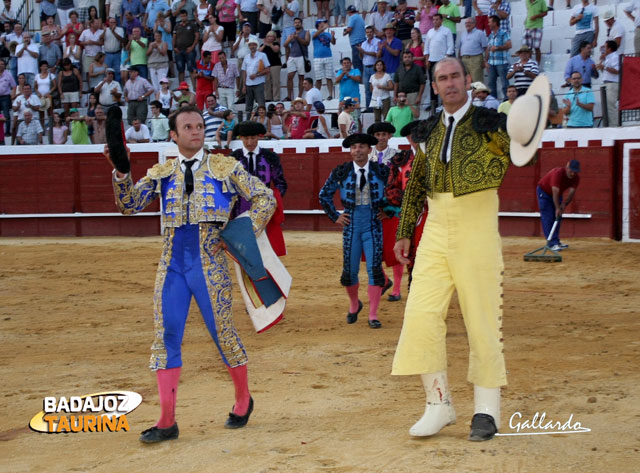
{"x":545,"y":254}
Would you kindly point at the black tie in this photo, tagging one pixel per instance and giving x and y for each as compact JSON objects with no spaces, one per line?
{"x":608,"y":32}
{"x":251,"y":167}
{"x":363,"y":180}
{"x":447,"y":138}
{"x":188,"y":176}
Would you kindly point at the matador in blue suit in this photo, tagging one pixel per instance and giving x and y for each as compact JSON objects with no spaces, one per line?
{"x":198,"y":191}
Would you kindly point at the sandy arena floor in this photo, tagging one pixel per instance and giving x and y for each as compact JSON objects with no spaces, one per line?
{"x":76,"y":318}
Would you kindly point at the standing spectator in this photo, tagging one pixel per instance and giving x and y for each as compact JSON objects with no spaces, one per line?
{"x":158,"y":124}
{"x":450,"y":17}
{"x":291,"y":11}
{"x":45,"y":83}
{"x":322,"y":55}
{"x":64,"y":8}
{"x":212,"y":39}
{"x":390,"y":48}
{"x":369,"y":52}
{"x":424,"y":17}
{"x":157,"y":60}
{"x":79,"y":127}
{"x":185,"y":39}
{"x":409,"y":79}
{"x":241,"y":49}
{"x":138,"y":47}
{"x":138,"y":132}
{"x":17,"y":36}
{"x":184,"y":96}
{"x":271,"y":48}
{"x":416,"y":46}
{"x":403,"y":20}
{"x":297,"y":43}
{"x":381,"y":18}
{"x":255,"y":68}
{"x":82,"y":9}
{"x":524,"y":71}
{"x":339,"y":11}
{"x":97,"y":71}
{"x":501,"y":9}
{"x":632,"y":10}
{"x":212,"y":117}
{"x":481,"y":96}
{"x":583,"y":64}
{"x":579,"y":102}
{"x":130,"y":23}
{"x":99,"y":135}
{"x":356,"y":32}
{"x":497,"y":58}
{"x":165,"y":97}
{"x":184,"y":5}
{"x":346,"y":124}
{"x":50,"y":53}
{"x":512,"y":95}
{"x":74,"y":26}
{"x":249,"y":13}
{"x":163,"y":25}
{"x":112,"y":8}
{"x":29,"y":131}
{"x":73,"y":51}
{"x":482,"y":8}
{"x":585,"y":17}
{"x":381,"y":86}
{"x":402,"y":114}
{"x":226,"y":10}
{"x":312,"y":97}
{"x":113,"y":39}
{"x":59,"y":131}
{"x":6,"y":85}
{"x":536,"y":11}
{"x":52,"y":31}
{"x":615,"y":31}
{"x":151,"y":12}
{"x":69,"y":86}
{"x":91,"y":40}
{"x":264,"y":20}
{"x":437,"y":46}
{"x":226,"y":79}
{"x":610,"y":67}
{"x":323,"y":9}
{"x":27,"y":54}
{"x":7,"y":14}
{"x":136,"y":91}
{"x":473,"y":49}
{"x":109,"y":90}
{"x":47,"y":9}
{"x":93,"y":15}
{"x":205,"y":79}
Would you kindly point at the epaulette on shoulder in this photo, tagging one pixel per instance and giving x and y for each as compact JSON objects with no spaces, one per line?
{"x":381,"y":170}
{"x":342,"y":171}
{"x":401,"y":157}
{"x":421,"y":133}
{"x":222,"y":166}
{"x":487,"y":119}
{"x":163,"y":170}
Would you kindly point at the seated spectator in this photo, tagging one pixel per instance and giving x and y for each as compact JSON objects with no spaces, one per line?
{"x":583,"y":64}
{"x":579,"y":102}
{"x":524,"y":71}
{"x":137,"y":132}
{"x":301,"y":120}
{"x":346,"y":124}
{"x":311,"y":95}
{"x":229,"y":122}
{"x":59,"y":131}
{"x":320,"y":121}
{"x":482,"y":97}
{"x":260,"y":116}
{"x":212,"y":117}
{"x":29,"y":131}
{"x":158,"y":123}
{"x":512,"y":95}
{"x":183,"y":95}
{"x":275,"y":112}
{"x":99,"y":123}
{"x":79,"y":128}
{"x":402,"y":114}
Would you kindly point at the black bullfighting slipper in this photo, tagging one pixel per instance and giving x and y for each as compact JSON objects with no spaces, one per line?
{"x":375,"y":323}
{"x":235,"y":421}
{"x":352,"y":317}
{"x":156,"y":434}
{"x":387,"y":286}
{"x":483,"y":427}
{"x":394,"y":297}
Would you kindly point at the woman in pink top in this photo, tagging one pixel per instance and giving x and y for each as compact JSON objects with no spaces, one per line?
{"x":426,"y":10}
{"x":416,"y":46}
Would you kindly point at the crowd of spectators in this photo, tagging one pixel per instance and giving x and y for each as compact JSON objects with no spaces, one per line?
{"x":227,"y":56}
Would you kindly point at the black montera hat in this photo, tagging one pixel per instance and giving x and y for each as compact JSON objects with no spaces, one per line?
{"x":381,"y":126}
{"x":249,"y":128}
{"x":359,"y":138}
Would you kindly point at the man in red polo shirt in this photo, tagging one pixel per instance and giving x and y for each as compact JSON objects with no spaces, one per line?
{"x":550,"y":201}
{"x":204,"y":81}
{"x":301,"y":122}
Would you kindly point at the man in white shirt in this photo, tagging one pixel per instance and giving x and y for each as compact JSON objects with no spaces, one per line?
{"x":369,"y":51}
{"x":255,"y":68}
{"x":137,"y":133}
{"x":437,"y":45}
{"x":26,"y":101}
{"x":15,"y":36}
{"x":614,"y":30}
{"x":241,"y":48}
{"x":311,"y":95}
{"x":610,"y":67}
{"x":27,"y":54}
{"x":633,"y":12}
{"x":113,"y":37}
{"x":109,"y":90}
{"x":91,"y":40}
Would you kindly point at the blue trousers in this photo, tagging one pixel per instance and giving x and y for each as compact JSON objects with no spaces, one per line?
{"x":362,"y":240}
{"x":548,"y":215}
{"x":495,"y":72}
{"x":187,"y":268}
{"x":356,"y":60}
{"x":112,"y":60}
{"x":366,"y":75}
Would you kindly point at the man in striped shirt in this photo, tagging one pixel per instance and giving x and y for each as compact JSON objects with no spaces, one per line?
{"x":523,"y":71}
{"x":212,"y":117}
{"x":497,"y":60}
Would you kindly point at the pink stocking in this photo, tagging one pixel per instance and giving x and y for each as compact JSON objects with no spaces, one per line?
{"x":374,"y":300}
{"x":167,"y":391}
{"x":397,"y":279}
{"x":352,"y":291}
{"x":241,"y":383}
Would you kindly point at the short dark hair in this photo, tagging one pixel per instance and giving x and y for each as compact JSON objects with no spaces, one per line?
{"x":495,"y":18}
{"x":345,"y":59}
{"x":156,"y":103}
{"x":384,"y":66}
{"x":407,"y":51}
{"x":613,"y":46}
{"x":206,"y":53}
{"x":183,"y":12}
{"x":584,"y":44}
{"x":226,"y":113}
{"x":186,"y":109}
{"x":438,"y":15}
{"x":309,"y":80}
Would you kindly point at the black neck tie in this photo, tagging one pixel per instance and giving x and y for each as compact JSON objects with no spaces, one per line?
{"x":608,"y":32}
{"x":363,"y":179}
{"x":447,"y":138}
{"x":251,"y":166}
{"x":188,"y":176}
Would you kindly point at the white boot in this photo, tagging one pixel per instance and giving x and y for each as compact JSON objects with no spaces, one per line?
{"x":439,"y":411}
{"x":487,"y":401}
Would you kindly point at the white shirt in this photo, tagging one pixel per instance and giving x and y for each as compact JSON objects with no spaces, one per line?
{"x":312,"y":96}
{"x":22,"y":102}
{"x":141,"y":134}
{"x":438,"y":44}
{"x":255,"y":152}
{"x":589,"y":10}
{"x":27,"y":63}
{"x":362,"y":197}
{"x":111,"y":43}
{"x":484,"y":6}
{"x":616,"y":31}
{"x":456,"y":118}
{"x":243,"y":45}
{"x":198,"y":157}
{"x":250,"y":64}
{"x":87,"y":35}
{"x":634,"y":6}
{"x":612,"y":60}
{"x":105,"y":97}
